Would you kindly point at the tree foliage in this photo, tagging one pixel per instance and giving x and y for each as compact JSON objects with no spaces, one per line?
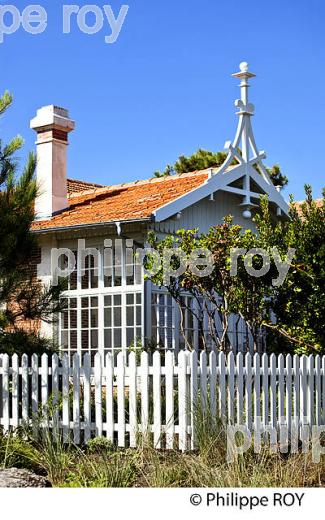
{"x":21,"y":296}
{"x":298,"y":303}
{"x":204,"y":159}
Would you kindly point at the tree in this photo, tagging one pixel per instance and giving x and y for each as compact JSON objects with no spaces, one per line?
{"x":204,"y":159}
{"x":22,"y":298}
{"x":298,"y":302}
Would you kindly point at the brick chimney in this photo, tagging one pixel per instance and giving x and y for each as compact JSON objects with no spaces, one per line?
{"x":52,"y":125}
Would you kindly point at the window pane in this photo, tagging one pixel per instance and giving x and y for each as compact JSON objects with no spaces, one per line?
{"x":73,"y":339}
{"x":94,"y":302}
{"x":108,"y":339}
{"x":117,"y":299}
{"x":129,"y":299}
{"x":107,"y":317}
{"x":73,"y":319}
{"x":94,"y":318}
{"x":84,"y":339}
{"x":108,"y":301}
{"x":129,"y":316}
{"x":138,"y":298}
{"x":84,"y":302}
{"x":117,"y":338}
{"x":117,"y":317}
{"x":129,"y":336}
{"x":138,"y":315}
{"x":94,"y":339}
{"x":64,"y":339}
{"x":84,"y":319}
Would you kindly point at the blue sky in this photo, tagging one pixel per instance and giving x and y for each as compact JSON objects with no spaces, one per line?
{"x":164,"y":88}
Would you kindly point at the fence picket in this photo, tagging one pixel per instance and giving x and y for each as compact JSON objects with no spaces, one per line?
{"x":98,"y":395}
{"x":145,"y":393}
{"x":296,"y":387}
{"x":5,"y":392}
{"x":182,"y":400}
{"x":213,"y":384}
{"x":289,"y":392}
{"x":120,"y":400}
{"x":65,"y":398}
{"x":265,"y":392}
{"x":303,"y":390}
{"x":156,"y":400}
{"x":231,"y":387}
{"x":169,"y":381}
{"x":240,"y":388}
{"x":310,"y":392}
{"x":25,"y":388}
{"x":109,"y":397}
{"x":76,"y":398}
{"x":203,"y":380}
{"x":44,"y":384}
{"x":318,"y":388}
{"x":15,"y":390}
{"x":257,"y":392}
{"x":34,"y":384}
{"x":248,"y":390}
{"x":222,"y":386}
{"x":87,"y":396}
{"x":281,"y":392}
{"x":273,"y":379}
{"x":55,"y":393}
{"x":133,"y":399}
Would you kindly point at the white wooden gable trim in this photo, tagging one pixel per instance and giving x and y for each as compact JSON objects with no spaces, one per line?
{"x":222,"y":178}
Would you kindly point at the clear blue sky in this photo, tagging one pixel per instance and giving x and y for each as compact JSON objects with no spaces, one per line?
{"x":164,"y":88}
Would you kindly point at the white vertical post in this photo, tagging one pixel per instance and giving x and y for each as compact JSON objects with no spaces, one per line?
{"x":5,"y":392}
{"x":231,"y":388}
{"x":44,"y":385}
{"x":87,"y":396}
{"x":273,"y":391}
{"x":289,"y":392}
{"x":55,"y":393}
{"x":281,"y":391}
{"x":169,"y":378}
{"x":311,"y":385}
{"x":240,"y":388}
{"x":109,"y":396}
{"x":222,"y":386}
{"x":182,"y":400}
{"x":76,"y":398}
{"x":193,"y":395}
{"x":213,"y":384}
{"x":121,"y":400}
{"x":34,"y":384}
{"x":65,"y":398}
{"x":133,"y":399}
{"x":25,"y":388}
{"x":296,"y":387}
{"x":248,"y":390}
{"x":156,"y":400}
{"x":318,"y":391}
{"x":15,"y":390}
{"x":203,"y":381}
{"x":144,"y":393}
{"x":257,"y":391}
{"x":98,"y":394}
{"x":265,"y":394}
{"x":303,"y":389}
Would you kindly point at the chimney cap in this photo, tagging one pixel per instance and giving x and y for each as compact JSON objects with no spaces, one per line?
{"x":50,"y":117}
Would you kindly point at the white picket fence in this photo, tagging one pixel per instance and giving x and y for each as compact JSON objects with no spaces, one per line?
{"x":159,"y":395}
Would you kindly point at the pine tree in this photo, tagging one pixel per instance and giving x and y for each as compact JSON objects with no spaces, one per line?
{"x":22,"y":298}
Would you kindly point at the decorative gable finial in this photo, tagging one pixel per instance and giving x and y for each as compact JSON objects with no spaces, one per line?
{"x":243,"y":149}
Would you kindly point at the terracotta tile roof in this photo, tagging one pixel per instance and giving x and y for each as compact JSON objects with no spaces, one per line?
{"x":131,"y":201}
{"x":75,"y":186}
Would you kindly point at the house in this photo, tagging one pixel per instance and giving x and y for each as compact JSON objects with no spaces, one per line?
{"x":118,"y":309}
